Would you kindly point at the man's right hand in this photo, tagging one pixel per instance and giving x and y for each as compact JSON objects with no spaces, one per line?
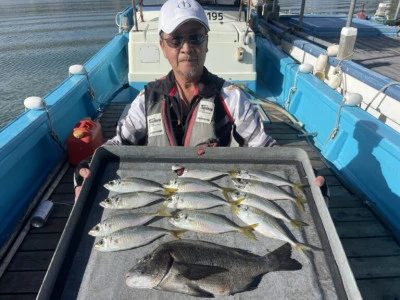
{"x":82,"y":172}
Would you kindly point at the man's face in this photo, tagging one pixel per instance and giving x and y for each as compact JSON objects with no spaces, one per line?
{"x":187,"y":58}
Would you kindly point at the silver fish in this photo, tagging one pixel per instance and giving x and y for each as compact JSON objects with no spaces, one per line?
{"x":187,"y":184}
{"x":203,"y":174}
{"x":118,"y":222}
{"x":131,"y":200}
{"x":194,"y":200}
{"x":204,"y":269}
{"x":204,"y":222}
{"x":267,"y":190}
{"x":267,"y":225}
{"x":133,"y":237}
{"x":264,"y":205}
{"x":263,"y":177}
{"x":133,"y":184}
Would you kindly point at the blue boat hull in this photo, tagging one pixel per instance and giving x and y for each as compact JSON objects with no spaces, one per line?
{"x":365,"y":152}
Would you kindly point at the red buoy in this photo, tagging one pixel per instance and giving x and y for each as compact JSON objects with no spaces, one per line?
{"x":362,"y":14}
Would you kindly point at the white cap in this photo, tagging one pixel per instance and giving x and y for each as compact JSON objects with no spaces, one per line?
{"x":176,"y":12}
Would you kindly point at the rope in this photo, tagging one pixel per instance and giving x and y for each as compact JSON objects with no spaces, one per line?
{"x":381,"y":91}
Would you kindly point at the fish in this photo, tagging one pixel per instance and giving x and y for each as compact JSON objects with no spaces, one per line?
{"x":267,"y":226}
{"x":194,"y":200}
{"x":133,"y":237}
{"x":265,"y":205}
{"x":133,"y":184}
{"x":187,"y":184}
{"x":131,"y":200}
{"x":264,"y":177}
{"x":205,"y":222}
{"x":203,"y":174}
{"x":121,"y":221}
{"x":204,"y":269}
{"x":267,"y":190}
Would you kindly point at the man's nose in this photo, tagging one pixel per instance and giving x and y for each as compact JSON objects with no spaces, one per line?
{"x":186,"y":46}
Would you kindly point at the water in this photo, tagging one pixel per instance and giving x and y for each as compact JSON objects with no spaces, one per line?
{"x":40,"y":39}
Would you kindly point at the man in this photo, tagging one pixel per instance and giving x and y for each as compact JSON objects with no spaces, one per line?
{"x":190,"y":106}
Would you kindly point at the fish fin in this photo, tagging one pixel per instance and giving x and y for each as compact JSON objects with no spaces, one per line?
{"x":283,"y":257}
{"x":225,"y":192}
{"x":197,"y":272}
{"x":306,"y":247}
{"x":176,"y":233}
{"x":199,"y":292}
{"x":297,"y":224}
{"x":162,"y":213}
{"x":254,"y":283}
{"x":248,"y":231}
{"x":189,"y":288}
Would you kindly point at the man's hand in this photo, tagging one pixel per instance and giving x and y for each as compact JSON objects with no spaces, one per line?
{"x":82,"y":172}
{"x":319,"y":181}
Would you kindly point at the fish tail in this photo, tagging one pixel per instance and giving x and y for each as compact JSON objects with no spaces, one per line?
{"x":298,"y":186}
{"x":234,"y":208}
{"x":248,"y":231}
{"x":176,"y":233}
{"x":232,"y":173}
{"x":162,"y":213}
{"x":297,"y":224}
{"x":283,"y":257}
{"x":168,"y":192}
{"x":300,"y":203}
{"x":225,"y":192}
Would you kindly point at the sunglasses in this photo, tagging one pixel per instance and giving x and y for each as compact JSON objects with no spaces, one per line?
{"x":178,"y":40}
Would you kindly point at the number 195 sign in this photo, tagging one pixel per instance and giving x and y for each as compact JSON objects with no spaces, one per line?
{"x":215,"y":16}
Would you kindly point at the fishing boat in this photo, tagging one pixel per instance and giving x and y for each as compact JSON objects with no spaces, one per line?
{"x":350,"y":134}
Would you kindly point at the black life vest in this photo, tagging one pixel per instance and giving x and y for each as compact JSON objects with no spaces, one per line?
{"x":208,"y":123}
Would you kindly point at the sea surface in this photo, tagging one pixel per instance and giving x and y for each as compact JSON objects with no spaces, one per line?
{"x":40,"y":39}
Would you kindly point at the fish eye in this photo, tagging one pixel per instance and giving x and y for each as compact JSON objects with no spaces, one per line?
{"x":97,"y":227}
{"x":101,"y":242}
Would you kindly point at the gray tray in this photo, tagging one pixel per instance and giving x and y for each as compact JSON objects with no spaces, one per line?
{"x":78,"y":271}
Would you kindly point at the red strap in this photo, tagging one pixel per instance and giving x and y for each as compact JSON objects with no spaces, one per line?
{"x":190,"y":128}
{"x":173,"y":91}
{"x":228,"y":113}
{"x":168,"y":131}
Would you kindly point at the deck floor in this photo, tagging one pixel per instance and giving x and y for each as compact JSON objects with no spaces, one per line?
{"x":380,"y":54}
{"x":372,"y":251}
